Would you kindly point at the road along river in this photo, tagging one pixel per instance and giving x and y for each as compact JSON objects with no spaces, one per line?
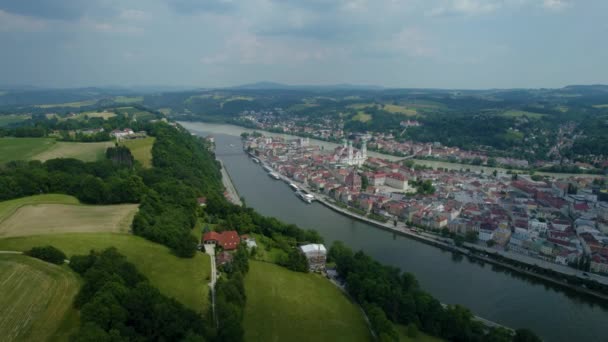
{"x":490,"y":292}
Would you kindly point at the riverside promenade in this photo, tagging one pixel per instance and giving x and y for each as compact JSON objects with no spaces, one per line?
{"x":231,"y":194}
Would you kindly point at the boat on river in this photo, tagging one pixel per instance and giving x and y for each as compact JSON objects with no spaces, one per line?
{"x":267,"y":168}
{"x":293,"y":187}
{"x":274,"y":175}
{"x":308,"y":198}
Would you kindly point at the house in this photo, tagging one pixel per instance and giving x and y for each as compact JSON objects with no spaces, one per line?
{"x":228,"y":240}
{"x":316,"y":254}
{"x":119,"y":134}
{"x":249,"y":241}
{"x":397,"y":181}
{"x":353,"y":180}
{"x":486,"y":231}
{"x":202,"y":201}
{"x":223,"y":258}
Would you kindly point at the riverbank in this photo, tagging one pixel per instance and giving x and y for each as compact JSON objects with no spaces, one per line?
{"x":231,"y":194}
{"x":473,"y":251}
{"x":234,"y":130}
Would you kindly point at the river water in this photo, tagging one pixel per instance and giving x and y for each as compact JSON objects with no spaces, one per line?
{"x":493,"y":293}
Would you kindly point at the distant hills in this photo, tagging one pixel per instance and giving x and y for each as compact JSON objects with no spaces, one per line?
{"x":281,"y":86}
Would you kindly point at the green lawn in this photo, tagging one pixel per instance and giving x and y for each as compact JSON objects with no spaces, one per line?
{"x":184,"y":279}
{"x":6,"y":120}
{"x":288,"y":306}
{"x":35,"y":298}
{"x":8,"y":208}
{"x":395,"y":109}
{"x":141,"y":150}
{"x":420,"y":337}
{"x":23,"y":148}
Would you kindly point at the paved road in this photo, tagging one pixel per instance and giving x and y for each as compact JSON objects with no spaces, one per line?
{"x":233,"y":195}
{"x":210,"y":250}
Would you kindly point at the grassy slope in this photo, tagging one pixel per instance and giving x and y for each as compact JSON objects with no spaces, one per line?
{"x":184,"y":279}
{"x":288,"y":306}
{"x":23,"y":148}
{"x":12,"y":118}
{"x":41,"y":219}
{"x":35,"y":296}
{"x":83,"y":151}
{"x":518,"y":113}
{"x":8,"y":208}
{"x":141,"y":150}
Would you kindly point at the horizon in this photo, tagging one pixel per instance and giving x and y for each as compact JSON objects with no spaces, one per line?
{"x":435,"y":44}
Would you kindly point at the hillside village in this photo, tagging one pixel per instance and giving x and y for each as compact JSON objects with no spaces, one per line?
{"x":561,"y":221}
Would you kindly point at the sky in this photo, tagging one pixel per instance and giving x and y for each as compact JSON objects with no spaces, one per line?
{"x":393,"y":43}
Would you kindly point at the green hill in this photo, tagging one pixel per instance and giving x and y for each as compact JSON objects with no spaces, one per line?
{"x":288,"y":306}
{"x":35,"y":296}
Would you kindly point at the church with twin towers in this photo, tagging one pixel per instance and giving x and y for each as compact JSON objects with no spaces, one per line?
{"x":347,"y":154}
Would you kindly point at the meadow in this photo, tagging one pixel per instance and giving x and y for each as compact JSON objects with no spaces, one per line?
{"x":23,"y":148}
{"x":183,"y":279}
{"x":6,"y":120}
{"x":84,"y":151}
{"x":77,"y":104}
{"x":283,"y":305}
{"x":40,"y":219}
{"x":141,"y":150}
{"x":520,"y":113}
{"x":35,"y":297}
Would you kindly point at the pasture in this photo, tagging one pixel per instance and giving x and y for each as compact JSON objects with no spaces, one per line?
{"x":8,"y":208}
{"x":141,"y":150}
{"x":40,"y":219}
{"x":84,"y":151}
{"x":283,"y":305}
{"x":35,"y":297}
{"x":23,"y":148}
{"x":395,"y":109}
{"x":84,"y":115}
{"x":183,"y":279}
{"x":420,"y":336}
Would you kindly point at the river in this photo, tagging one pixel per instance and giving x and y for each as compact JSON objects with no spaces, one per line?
{"x":492,"y":293}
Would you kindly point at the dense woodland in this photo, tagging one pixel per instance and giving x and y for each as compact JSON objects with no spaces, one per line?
{"x":390,"y":296}
{"x":117,"y":303}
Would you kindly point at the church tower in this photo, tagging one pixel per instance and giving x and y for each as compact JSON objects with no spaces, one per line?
{"x":350,"y":152}
{"x":364,"y":149}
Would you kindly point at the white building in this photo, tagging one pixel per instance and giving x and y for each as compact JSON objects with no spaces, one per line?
{"x":397,"y":181}
{"x":348,"y":155}
{"x":316,"y":255}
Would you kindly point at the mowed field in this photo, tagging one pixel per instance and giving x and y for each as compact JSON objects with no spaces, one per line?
{"x":8,"y":208}
{"x":35,"y":296}
{"x":186,"y":280}
{"x":6,"y":120}
{"x":84,"y":151}
{"x":40,"y":219}
{"x":23,"y":148}
{"x":288,"y":306}
{"x":141,"y":150}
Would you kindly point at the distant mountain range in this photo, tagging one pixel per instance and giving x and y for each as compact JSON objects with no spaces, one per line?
{"x":282,"y":86}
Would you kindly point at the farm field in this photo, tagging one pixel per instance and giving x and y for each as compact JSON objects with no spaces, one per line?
{"x":35,"y":296}
{"x":23,"y":148}
{"x":183,"y":279}
{"x":141,"y":150}
{"x":84,"y":151}
{"x":81,"y":116}
{"x":6,"y":120}
{"x":8,"y":208}
{"x":69,"y":104}
{"x":395,"y":109}
{"x":39,"y":219}
{"x":283,"y":305}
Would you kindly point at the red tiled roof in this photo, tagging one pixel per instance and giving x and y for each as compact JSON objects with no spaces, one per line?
{"x":228,"y":240}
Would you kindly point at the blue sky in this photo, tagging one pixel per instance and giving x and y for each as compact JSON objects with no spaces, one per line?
{"x":394,"y":43}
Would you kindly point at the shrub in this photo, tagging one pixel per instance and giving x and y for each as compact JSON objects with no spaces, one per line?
{"x":48,"y":254}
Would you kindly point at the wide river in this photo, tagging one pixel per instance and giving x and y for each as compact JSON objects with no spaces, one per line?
{"x":490,"y":292}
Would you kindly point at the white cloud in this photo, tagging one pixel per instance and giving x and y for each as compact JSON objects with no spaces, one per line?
{"x":412,"y":42}
{"x":133,"y":14}
{"x":466,"y":7}
{"x":555,"y":5}
{"x":13,"y":22}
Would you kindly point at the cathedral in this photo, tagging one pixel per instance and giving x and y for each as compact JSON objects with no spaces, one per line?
{"x":348,"y":155}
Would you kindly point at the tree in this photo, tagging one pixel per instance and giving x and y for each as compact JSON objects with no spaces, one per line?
{"x":296,"y":261}
{"x":525,"y":335}
{"x":471,"y":236}
{"x":364,"y":182}
{"x":48,"y":254}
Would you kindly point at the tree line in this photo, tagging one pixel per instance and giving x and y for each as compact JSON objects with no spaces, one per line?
{"x":390,"y":297}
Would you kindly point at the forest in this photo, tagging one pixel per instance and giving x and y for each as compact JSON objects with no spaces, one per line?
{"x":390,"y":297}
